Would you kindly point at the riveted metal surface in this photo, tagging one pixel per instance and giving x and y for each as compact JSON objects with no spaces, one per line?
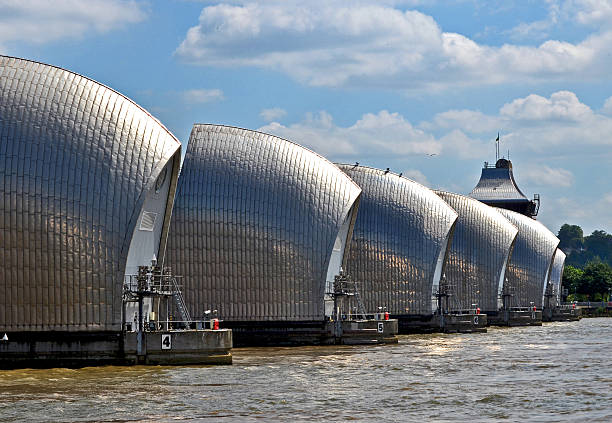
{"x":556,"y":274}
{"x":402,"y":230}
{"x":254,"y":225}
{"x":476,"y":262}
{"x":531,"y":260}
{"x":75,"y":161}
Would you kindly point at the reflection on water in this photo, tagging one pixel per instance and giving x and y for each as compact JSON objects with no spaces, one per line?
{"x":558,"y":372}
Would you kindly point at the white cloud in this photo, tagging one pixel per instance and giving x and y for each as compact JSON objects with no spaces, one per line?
{"x":272,"y":114}
{"x":531,"y":30}
{"x":459,"y":144}
{"x":559,"y":125}
{"x":562,"y":105}
{"x":472,"y":121}
{"x":607,"y":107}
{"x":544,"y":175}
{"x":416,"y":175}
{"x":383,"y":134}
{"x":571,"y":209}
{"x":202,"y":95}
{"x":592,"y":12}
{"x":359,"y":43}
{"x":42,"y":21}
{"x":538,"y":29}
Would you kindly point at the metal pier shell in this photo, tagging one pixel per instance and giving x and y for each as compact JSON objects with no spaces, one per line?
{"x":401,"y":232}
{"x":556,"y":275}
{"x":254,"y":225}
{"x":76,"y":159}
{"x":476,"y":262}
{"x":531,"y":261}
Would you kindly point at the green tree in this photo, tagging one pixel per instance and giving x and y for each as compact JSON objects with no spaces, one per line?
{"x":596,"y":280}
{"x":572,"y":279}
{"x":571,"y":238}
{"x":599,"y":244}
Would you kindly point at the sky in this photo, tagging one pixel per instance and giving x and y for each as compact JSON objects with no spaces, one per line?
{"x":422,"y":87}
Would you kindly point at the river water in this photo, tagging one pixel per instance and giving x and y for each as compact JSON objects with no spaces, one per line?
{"x":557,"y":372}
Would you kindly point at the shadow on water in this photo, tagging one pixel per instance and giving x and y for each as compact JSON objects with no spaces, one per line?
{"x":555,"y":372}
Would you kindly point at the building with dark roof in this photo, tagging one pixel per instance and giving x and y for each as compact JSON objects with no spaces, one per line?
{"x":497,"y":188}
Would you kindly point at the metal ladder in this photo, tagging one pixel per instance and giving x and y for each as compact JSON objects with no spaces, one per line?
{"x":180,"y":302}
{"x":360,"y":305}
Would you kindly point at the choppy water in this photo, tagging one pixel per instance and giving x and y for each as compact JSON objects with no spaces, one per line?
{"x":558,"y":372}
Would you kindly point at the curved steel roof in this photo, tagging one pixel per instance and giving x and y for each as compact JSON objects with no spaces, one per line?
{"x":76,"y":160}
{"x":255,"y":221}
{"x":556,"y":275}
{"x":399,"y":242}
{"x":531,"y":260}
{"x":476,"y":262}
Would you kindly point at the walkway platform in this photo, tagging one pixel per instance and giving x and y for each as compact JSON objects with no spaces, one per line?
{"x":278,"y":333}
{"x":81,"y":349}
{"x":561,"y":314}
{"x":515,"y":318}
{"x":444,"y":323}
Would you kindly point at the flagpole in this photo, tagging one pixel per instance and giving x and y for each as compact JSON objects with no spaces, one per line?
{"x":497,"y":148}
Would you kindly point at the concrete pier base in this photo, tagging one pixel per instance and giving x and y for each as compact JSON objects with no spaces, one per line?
{"x":462,"y":323}
{"x":82,"y":349}
{"x":515,"y":318}
{"x":557,"y":314}
{"x":348,"y":332}
{"x":444,"y":323}
{"x":359,"y":332}
{"x":180,"y":347}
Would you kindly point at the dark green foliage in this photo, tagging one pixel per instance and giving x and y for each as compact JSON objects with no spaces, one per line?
{"x":582,"y":250}
{"x":592,"y":283}
{"x":599,"y":243}
{"x":588,"y":266}
{"x":572,"y":277}
{"x":570,"y":237}
{"x":596,"y":279}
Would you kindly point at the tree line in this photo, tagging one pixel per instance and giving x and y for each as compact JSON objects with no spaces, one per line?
{"x":588,"y":267}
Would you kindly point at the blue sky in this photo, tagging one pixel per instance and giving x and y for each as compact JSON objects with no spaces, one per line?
{"x":385,"y":83}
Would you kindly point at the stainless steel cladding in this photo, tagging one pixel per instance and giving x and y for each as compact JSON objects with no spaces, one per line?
{"x":77,"y":160}
{"x":556,"y":275}
{"x":476,"y":262}
{"x":531,"y":261}
{"x":258,"y":225}
{"x":399,"y":242}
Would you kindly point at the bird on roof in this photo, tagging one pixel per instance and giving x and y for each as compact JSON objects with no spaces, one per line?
{"x":387,"y":171}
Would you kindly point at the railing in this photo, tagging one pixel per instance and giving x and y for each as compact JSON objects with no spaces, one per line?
{"x":366,"y":316}
{"x":178,"y":325}
{"x":589,"y":304}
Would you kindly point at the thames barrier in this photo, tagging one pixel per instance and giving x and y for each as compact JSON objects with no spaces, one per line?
{"x":115,"y":252}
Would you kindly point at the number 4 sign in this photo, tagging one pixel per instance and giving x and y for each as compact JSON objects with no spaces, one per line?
{"x":166,"y":342}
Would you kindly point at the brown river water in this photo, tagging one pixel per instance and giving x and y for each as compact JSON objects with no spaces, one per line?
{"x":557,"y":372}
